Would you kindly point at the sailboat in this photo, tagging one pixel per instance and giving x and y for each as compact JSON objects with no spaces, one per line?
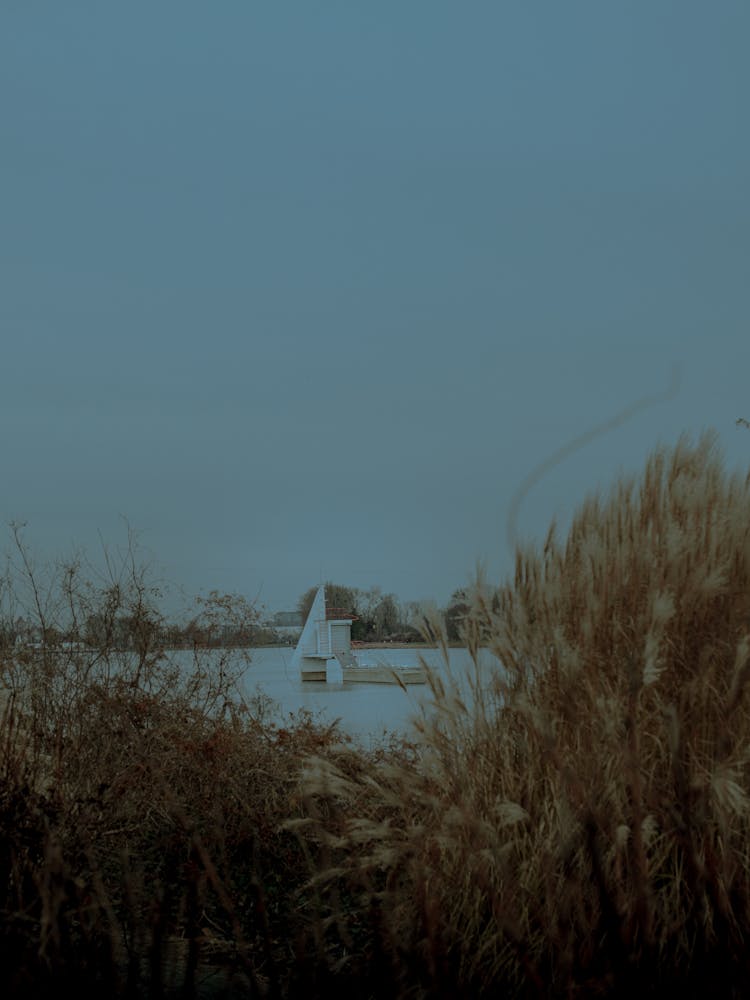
{"x":324,"y":652}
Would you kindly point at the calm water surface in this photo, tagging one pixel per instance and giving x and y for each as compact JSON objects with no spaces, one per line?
{"x":367,"y":712}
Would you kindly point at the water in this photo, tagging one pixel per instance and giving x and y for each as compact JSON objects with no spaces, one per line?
{"x":367,"y":712}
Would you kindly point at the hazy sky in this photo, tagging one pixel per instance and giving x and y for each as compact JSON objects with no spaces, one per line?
{"x":305,"y":290}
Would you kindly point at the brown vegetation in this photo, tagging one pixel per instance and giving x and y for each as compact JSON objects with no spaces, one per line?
{"x":579,"y":826}
{"x":583,"y":826}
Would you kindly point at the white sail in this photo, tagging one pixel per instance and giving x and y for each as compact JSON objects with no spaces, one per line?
{"x":308,"y":643}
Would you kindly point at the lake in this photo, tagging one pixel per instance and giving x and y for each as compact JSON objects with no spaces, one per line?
{"x":367,"y":712}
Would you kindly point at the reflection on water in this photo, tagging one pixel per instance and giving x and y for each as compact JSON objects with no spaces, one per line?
{"x":365,"y":711}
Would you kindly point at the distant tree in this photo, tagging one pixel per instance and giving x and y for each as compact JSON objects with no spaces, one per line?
{"x":412,"y":614}
{"x":337,"y":596}
{"x":344,"y":598}
{"x":305,"y":602}
{"x":386,"y":616}
{"x":227,"y":619}
{"x":455,"y":613}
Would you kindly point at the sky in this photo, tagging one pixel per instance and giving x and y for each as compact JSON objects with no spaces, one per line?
{"x":297,"y":291}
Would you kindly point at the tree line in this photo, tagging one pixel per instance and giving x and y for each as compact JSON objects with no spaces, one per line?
{"x":72,"y":604}
{"x":225,"y":621}
{"x":382,"y":617}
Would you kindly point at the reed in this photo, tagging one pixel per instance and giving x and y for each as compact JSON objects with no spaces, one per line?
{"x":576,"y":825}
{"x":581,"y":825}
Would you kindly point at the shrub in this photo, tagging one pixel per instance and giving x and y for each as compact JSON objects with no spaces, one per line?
{"x":141,"y":798}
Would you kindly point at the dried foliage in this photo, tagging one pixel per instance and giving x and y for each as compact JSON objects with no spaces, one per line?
{"x":141,"y":796}
{"x":575,"y":823}
{"x":580,"y":824}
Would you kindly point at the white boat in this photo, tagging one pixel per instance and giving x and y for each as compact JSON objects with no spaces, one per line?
{"x":324,"y":652}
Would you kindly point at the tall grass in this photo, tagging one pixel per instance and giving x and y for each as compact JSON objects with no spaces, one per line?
{"x":578,"y":826}
{"x":582,"y":826}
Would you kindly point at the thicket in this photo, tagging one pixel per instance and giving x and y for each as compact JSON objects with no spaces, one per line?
{"x":575,"y":825}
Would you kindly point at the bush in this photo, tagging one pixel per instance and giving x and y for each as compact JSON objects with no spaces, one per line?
{"x":141,"y":799}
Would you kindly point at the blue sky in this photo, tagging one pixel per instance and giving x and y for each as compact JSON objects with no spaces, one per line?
{"x":307,"y":290}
